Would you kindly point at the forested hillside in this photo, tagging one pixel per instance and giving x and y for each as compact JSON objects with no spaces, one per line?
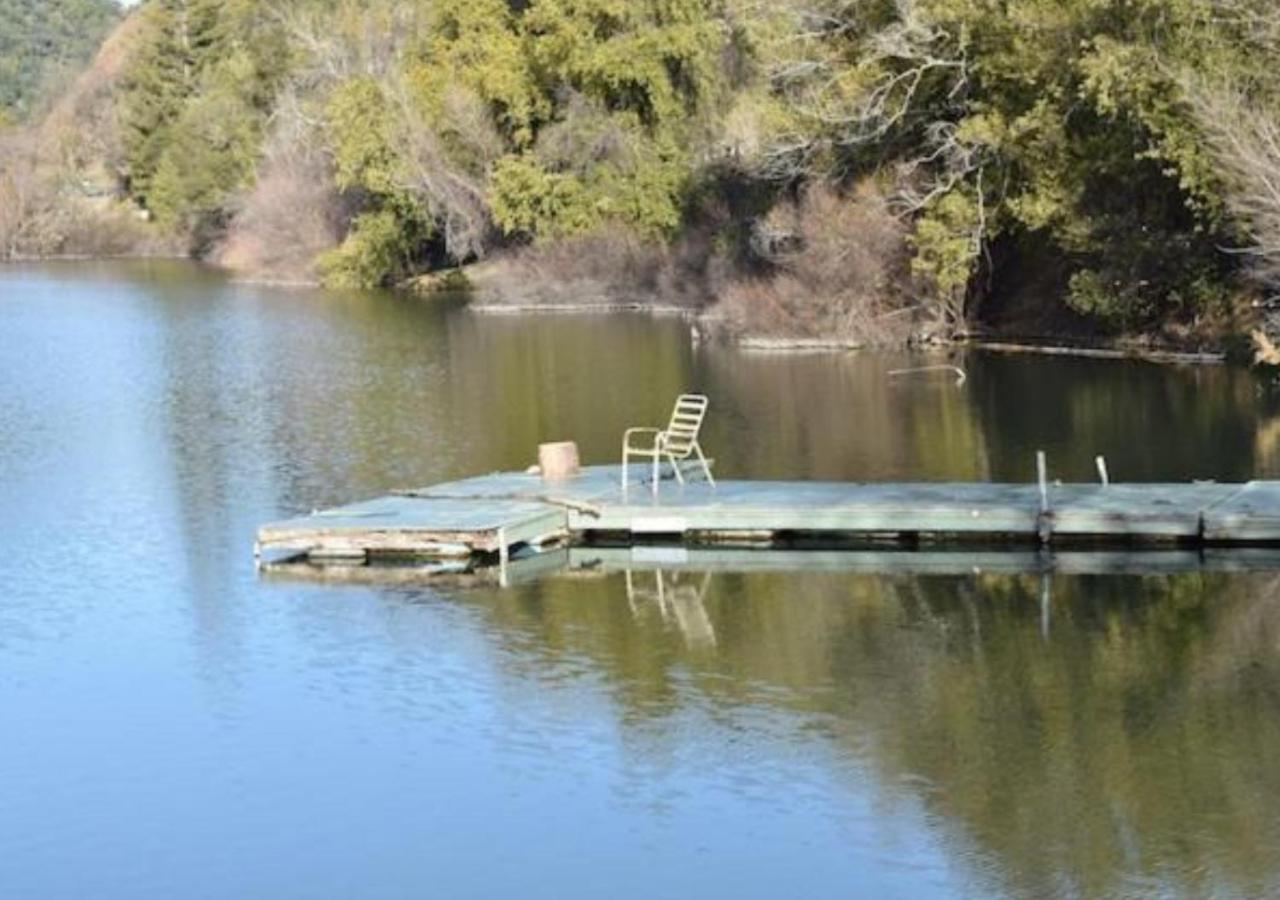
{"x":866,"y":170}
{"x":40,"y":39}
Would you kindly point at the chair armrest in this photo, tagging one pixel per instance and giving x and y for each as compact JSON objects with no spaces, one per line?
{"x":626,"y":435}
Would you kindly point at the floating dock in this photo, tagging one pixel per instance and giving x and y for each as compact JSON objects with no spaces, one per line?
{"x":492,"y":517}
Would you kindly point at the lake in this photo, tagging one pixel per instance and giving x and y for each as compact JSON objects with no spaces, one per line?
{"x":175,"y":725}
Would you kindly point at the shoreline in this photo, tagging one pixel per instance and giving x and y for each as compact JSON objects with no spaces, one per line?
{"x":800,"y":345}
{"x":746,"y":342}
{"x":28,"y":259}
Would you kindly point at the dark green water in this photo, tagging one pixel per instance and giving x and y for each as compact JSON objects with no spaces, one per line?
{"x":174,"y":726}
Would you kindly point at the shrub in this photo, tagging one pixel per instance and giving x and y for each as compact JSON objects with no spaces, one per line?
{"x":608,"y":267}
{"x":838,"y":270}
{"x":374,"y":252}
{"x":291,"y":216}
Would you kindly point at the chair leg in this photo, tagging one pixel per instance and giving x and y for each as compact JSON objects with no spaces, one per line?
{"x":675,"y":467}
{"x":657,"y":460}
{"x":624,"y":471}
{"x":706,"y":469}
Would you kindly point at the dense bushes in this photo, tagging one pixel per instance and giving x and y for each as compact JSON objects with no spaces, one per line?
{"x":1068,"y":120}
{"x":607,"y":267}
{"x":896,"y":141}
{"x":43,"y":40}
{"x":200,"y":85}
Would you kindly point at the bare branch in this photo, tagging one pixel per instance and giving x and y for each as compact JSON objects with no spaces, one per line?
{"x":1246,"y":139}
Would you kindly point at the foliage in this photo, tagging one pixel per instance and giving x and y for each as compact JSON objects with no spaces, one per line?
{"x":41,"y":38}
{"x":947,"y":244}
{"x":571,"y":184}
{"x":598,"y":103}
{"x":482,"y":46}
{"x":211,"y":150}
{"x":528,"y":198}
{"x":1112,"y":140}
{"x":380,"y":246}
{"x":376,"y":245}
{"x":359,"y":120}
{"x":201,"y":82}
{"x":1067,"y":120}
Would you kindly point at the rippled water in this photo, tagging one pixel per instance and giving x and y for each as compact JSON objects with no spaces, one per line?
{"x":175,"y":726}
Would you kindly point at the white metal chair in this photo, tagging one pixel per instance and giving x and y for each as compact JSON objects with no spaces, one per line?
{"x":675,"y":443}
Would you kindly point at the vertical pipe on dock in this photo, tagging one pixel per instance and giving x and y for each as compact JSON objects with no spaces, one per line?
{"x":1042,"y":477}
{"x":1101,"y":463}
{"x":1043,"y":526}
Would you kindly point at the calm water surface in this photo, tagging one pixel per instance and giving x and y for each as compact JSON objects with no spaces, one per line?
{"x":173,"y":726}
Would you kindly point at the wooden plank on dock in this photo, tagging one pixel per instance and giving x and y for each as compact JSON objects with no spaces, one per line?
{"x":412,"y":525}
{"x":1147,"y":511}
{"x":737,"y":506}
{"x":1250,"y":514}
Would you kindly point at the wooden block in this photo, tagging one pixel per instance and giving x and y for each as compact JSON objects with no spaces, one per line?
{"x":558,"y":460}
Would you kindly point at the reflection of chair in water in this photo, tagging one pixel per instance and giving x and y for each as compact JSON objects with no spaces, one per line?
{"x":675,"y":443}
{"x":679,"y":601}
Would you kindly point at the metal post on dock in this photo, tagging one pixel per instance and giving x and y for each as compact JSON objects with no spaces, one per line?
{"x":1101,"y":463}
{"x":1043,"y":521}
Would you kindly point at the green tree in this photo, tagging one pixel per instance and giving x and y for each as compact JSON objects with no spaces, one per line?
{"x":1061,"y":124}
{"x":603,"y":104}
{"x":40,"y":38}
{"x":387,"y":235}
{"x":200,"y":86}
{"x":210,"y":151}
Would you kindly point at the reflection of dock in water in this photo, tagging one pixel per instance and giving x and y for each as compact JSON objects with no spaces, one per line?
{"x":927,"y":562}
{"x":672,"y":581}
{"x":678,"y":597}
{"x":675,"y":560}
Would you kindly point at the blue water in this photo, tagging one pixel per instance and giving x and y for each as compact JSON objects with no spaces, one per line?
{"x":174,"y":725}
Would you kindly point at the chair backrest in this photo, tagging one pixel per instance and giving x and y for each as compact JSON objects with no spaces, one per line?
{"x":686,"y":421}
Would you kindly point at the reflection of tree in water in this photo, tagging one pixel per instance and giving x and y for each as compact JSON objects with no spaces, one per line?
{"x":1152,"y":422}
{"x":843,"y":417}
{"x":837,"y":417}
{"x":1129,"y":748}
{"x":1266,"y":446}
{"x":515,"y":382}
{"x":1092,"y":753}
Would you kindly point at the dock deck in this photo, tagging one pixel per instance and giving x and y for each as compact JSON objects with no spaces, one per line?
{"x":500,"y":513}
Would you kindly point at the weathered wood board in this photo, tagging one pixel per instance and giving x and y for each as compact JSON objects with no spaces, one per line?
{"x":745,"y":506}
{"x":1250,"y":514}
{"x":1149,"y":511}
{"x":415,"y":526}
